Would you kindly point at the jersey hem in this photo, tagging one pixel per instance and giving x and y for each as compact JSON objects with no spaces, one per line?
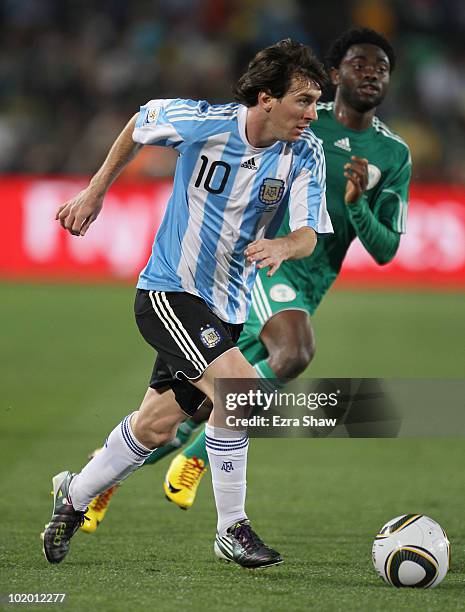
{"x":161,"y":287}
{"x":145,"y":286}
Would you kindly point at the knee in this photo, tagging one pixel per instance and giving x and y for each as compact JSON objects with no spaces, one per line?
{"x":290,"y":361}
{"x":151,"y":438}
{"x":150,"y":434}
{"x":162,"y":438}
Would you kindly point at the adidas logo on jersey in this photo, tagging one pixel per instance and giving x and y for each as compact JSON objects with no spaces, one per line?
{"x":249,"y":164}
{"x":343,"y":143}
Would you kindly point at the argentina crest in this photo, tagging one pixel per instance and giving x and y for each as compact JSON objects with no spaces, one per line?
{"x":209,"y":336}
{"x":152,"y":115}
{"x":271,"y":191}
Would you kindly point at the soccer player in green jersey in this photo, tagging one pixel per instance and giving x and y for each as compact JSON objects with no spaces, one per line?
{"x":368,"y":175}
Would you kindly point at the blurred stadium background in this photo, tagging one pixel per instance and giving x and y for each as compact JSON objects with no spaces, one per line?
{"x":71,"y":74}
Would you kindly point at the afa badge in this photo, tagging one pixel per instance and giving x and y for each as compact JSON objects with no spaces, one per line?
{"x":152,"y":115}
{"x":271,"y":191}
{"x":210,"y":336}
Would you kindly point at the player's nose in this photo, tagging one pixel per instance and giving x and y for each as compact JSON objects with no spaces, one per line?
{"x":311,"y":113}
{"x":369,"y":73}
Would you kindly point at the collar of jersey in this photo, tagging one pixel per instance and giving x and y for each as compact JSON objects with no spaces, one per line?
{"x":366,"y":133}
{"x":241,"y":121}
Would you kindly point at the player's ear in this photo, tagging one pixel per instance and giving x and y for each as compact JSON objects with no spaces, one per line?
{"x":334,"y":76}
{"x":265,"y":101}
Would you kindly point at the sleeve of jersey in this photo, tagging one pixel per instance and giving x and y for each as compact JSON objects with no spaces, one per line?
{"x":168,"y":123}
{"x":380,"y":241}
{"x":379,"y":230}
{"x":392,"y":202}
{"x":307,"y":202}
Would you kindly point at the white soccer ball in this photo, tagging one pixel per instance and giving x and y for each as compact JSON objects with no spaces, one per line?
{"x":412,"y":550}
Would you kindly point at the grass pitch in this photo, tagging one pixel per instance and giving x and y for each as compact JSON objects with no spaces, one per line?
{"x":73,"y":365}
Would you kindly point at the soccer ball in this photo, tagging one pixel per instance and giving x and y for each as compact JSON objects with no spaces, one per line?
{"x":412,"y":551}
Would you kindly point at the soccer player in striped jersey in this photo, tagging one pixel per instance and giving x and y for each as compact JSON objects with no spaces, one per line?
{"x":368,"y":175}
{"x":241,"y":167}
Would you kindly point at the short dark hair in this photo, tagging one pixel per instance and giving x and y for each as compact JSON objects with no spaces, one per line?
{"x":358,"y":36}
{"x":273,"y":68}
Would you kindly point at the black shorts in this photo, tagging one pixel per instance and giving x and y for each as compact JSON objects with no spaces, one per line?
{"x":187,"y":336}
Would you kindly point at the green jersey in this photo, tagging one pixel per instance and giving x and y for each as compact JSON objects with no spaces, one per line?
{"x":386,"y":197}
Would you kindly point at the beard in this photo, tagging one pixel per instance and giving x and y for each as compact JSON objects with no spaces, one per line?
{"x":358,"y":103}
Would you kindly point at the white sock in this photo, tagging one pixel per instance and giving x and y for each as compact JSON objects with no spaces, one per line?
{"x":121,"y":455}
{"x":227,"y":452}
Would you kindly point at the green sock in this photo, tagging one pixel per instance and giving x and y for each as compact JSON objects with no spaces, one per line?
{"x":264,"y":370}
{"x":183,"y":434}
{"x":197,"y":448}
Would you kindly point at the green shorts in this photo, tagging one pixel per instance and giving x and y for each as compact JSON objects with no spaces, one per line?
{"x":269,"y":296}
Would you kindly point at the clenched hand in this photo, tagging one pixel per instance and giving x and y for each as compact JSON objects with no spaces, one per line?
{"x":356,"y":173}
{"x":77,"y":214}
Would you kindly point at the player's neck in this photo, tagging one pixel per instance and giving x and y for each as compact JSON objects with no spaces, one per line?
{"x":351,"y":118}
{"x":258,"y":129}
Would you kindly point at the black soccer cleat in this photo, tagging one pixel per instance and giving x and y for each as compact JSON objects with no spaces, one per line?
{"x":65,"y":520}
{"x":243,"y":546}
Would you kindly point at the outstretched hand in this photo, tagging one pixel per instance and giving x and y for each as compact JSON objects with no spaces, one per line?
{"x":77,"y":214}
{"x":267,"y":253}
{"x":356,"y":173}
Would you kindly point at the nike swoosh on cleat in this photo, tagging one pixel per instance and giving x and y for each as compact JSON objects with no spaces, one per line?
{"x":172,"y":489}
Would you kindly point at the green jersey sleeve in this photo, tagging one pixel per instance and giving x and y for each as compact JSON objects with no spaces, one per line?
{"x":380,"y":241}
{"x":391,"y":203}
{"x":380,"y":225}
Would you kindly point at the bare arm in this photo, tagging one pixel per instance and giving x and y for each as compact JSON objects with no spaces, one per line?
{"x":77,"y":214}
{"x":299,"y":243}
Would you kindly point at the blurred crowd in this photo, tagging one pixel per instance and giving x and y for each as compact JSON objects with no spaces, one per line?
{"x":72,"y":72}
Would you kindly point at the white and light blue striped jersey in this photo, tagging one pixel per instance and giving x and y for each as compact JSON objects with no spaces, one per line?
{"x":226,"y":194}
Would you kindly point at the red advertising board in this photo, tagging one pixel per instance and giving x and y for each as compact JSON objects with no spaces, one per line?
{"x":33,"y":244}
{"x":115,"y":247}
